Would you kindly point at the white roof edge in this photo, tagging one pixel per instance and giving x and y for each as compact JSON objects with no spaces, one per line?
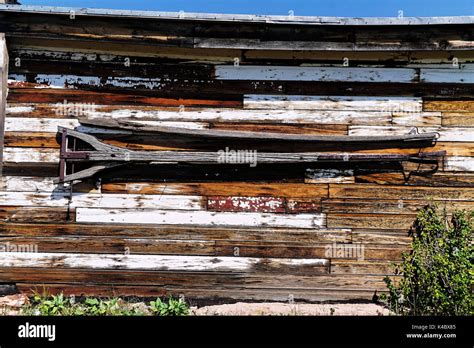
{"x":300,"y":20}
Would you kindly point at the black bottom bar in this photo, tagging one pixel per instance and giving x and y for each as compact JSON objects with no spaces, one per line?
{"x":243,"y":331}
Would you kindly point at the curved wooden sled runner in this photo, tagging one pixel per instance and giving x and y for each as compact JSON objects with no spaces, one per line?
{"x":105,"y":156}
{"x":413,"y":136}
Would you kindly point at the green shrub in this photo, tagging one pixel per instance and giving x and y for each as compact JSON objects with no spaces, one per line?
{"x":171,"y":308}
{"x":437,"y":275}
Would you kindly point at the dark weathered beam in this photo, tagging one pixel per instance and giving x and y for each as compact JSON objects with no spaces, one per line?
{"x":356,"y":34}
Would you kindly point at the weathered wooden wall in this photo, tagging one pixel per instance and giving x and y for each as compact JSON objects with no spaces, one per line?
{"x":226,"y":231}
{"x":3,"y":92}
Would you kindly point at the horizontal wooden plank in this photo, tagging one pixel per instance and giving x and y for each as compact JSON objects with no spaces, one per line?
{"x":354,"y":103}
{"x":74,"y":108}
{"x":278,"y":249}
{"x":206,"y":279}
{"x":21,"y":92}
{"x":27,"y":124}
{"x":131,"y":49}
{"x":42,"y":184}
{"x":139,"y":142}
{"x":378,"y":117}
{"x":387,"y":206}
{"x":451,"y":148}
{"x":400,"y":192}
{"x":453,"y":179}
{"x":107,"y":245}
{"x":232,"y":90}
{"x":296,"y":45}
{"x":206,"y":295}
{"x":448,"y":105}
{"x":456,"y":134}
{"x":188,"y":247}
{"x":25,"y":155}
{"x":458,"y":119}
{"x":453,"y":75}
{"x":375,"y":221}
{"x":400,"y":58}
{"x":31,"y":139}
{"x":251,"y":189}
{"x":206,"y":233}
{"x":418,"y":119}
{"x":37,"y":214}
{"x":381,"y":237}
{"x":157,"y":262}
{"x":50,"y":125}
{"x":459,"y":163}
{"x":342,"y":266}
{"x":137,"y":216}
{"x":218,"y":280}
{"x":286,"y":73}
{"x":300,"y":128}
{"x":62,"y":199}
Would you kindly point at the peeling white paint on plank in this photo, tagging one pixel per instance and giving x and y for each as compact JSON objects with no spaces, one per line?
{"x":18,"y":109}
{"x":149,"y":262}
{"x":199,"y":218}
{"x":26,"y":155}
{"x":459,"y":163}
{"x":47,"y":125}
{"x":229,"y":115}
{"x":354,"y":103}
{"x":455,"y":134}
{"x":50,"y":125}
{"x":419,"y":119}
{"x":118,"y":201}
{"x":30,"y":184}
{"x":73,"y":81}
{"x":292,"y":73}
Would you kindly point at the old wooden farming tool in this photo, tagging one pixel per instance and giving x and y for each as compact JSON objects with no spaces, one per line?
{"x":103,"y":156}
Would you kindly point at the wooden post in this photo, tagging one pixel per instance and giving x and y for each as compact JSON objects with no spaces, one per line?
{"x":3,"y":92}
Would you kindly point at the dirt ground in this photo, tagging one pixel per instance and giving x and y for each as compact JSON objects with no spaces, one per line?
{"x":291,"y":309}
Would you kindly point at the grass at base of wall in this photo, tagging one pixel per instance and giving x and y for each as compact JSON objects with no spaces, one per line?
{"x":60,"y":305}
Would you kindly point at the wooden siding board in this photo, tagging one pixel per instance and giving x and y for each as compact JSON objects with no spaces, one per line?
{"x":127,"y":216}
{"x":169,"y":232}
{"x":81,"y":199}
{"x":155,"y":262}
{"x":282,"y":73}
{"x":401,"y":192}
{"x":231,"y":188}
{"x":355,"y":103}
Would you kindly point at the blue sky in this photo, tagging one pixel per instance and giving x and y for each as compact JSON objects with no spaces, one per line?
{"x":342,"y":8}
